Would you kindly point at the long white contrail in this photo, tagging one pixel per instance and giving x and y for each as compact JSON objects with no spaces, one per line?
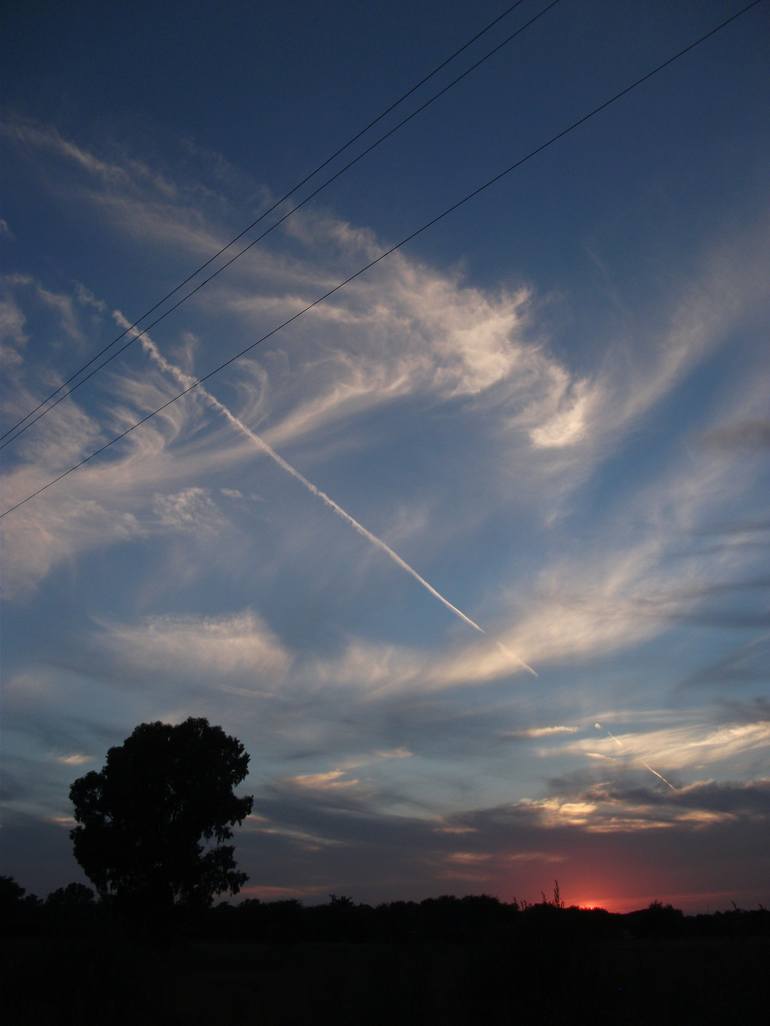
{"x":186,"y":380}
{"x":641,"y":760}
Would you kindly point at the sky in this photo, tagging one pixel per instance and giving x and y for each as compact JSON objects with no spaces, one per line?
{"x":472,"y":556}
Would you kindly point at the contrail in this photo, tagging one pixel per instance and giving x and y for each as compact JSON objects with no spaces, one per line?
{"x":658,"y":775}
{"x":512,"y":655}
{"x":186,"y":380}
{"x":645,"y":764}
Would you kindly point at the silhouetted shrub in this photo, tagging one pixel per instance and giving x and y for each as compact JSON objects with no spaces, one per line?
{"x":657,"y":920}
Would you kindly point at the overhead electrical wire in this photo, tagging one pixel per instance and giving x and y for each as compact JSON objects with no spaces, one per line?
{"x":30,"y":416}
{"x":276,"y":224}
{"x":392,"y":249}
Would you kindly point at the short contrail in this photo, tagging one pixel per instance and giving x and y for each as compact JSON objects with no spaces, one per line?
{"x":658,"y":775}
{"x":186,"y":380}
{"x":645,"y":764}
{"x":512,"y":655}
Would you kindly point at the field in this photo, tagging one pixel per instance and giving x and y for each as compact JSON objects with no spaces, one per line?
{"x":619,"y":980}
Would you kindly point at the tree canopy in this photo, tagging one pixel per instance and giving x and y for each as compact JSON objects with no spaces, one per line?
{"x":151,"y":823}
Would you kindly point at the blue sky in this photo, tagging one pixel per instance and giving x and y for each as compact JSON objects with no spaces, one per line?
{"x":551,"y":408}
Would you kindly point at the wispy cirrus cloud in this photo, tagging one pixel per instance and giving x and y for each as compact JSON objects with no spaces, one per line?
{"x":748,"y":434}
{"x":213,"y":647}
{"x":444,"y":337}
{"x":46,"y":138}
{"x":690,"y":746}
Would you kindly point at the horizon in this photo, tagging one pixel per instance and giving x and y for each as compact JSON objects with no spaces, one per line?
{"x":308,"y":899}
{"x":471,"y":556}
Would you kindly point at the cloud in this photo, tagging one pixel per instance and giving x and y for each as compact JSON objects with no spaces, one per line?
{"x":744,"y":664}
{"x":215,"y":648}
{"x":186,"y":381}
{"x":570,"y":424}
{"x":740,"y":527}
{"x":307,"y":832}
{"x":513,"y":849}
{"x":684,"y":747}
{"x":749,"y":434}
{"x":36,"y":136}
{"x":331,"y":780}
{"x":538,"y":732}
{"x":13,"y":337}
{"x":413,"y":331}
{"x":576,"y":609}
{"x":74,"y":759}
{"x":451,"y":415}
{"x":111,"y":500}
{"x":755,"y":710}
{"x":86,"y":298}
{"x":36,"y":544}
{"x":192,"y":509}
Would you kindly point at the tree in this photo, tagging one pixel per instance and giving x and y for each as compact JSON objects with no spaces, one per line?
{"x":148,"y":822}
{"x":73,"y":896}
{"x":11,"y":893}
{"x":18,"y":910}
{"x":14,"y":896}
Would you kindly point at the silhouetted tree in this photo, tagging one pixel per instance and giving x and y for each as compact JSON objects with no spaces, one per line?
{"x":143,"y":818}
{"x":73,"y":896}
{"x":18,"y":910}
{"x":11,"y":893}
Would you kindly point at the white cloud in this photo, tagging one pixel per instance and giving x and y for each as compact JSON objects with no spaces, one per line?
{"x":682,"y":747}
{"x":468,"y":858}
{"x":37,"y":543}
{"x":74,"y":759}
{"x":220,"y":647}
{"x":604,"y":600}
{"x":410,"y":331}
{"x":570,"y":423}
{"x":86,"y":298}
{"x":63,"y":821}
{"x":331,"y":780}
{"x":536,"y":732}
{"x":192,"y":509}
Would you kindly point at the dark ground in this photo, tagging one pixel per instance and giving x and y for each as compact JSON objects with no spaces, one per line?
{"x":631,"y":982}
{"x":444,"y":962}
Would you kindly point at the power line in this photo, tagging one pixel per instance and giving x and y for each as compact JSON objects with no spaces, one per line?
{"x":392,"y":249}
{"x":280,"y":221}
{"x":354,"y":138}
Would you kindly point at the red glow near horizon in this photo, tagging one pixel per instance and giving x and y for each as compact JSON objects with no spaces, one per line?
{"x":688,"y":902}
{"x":608,"y":904}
